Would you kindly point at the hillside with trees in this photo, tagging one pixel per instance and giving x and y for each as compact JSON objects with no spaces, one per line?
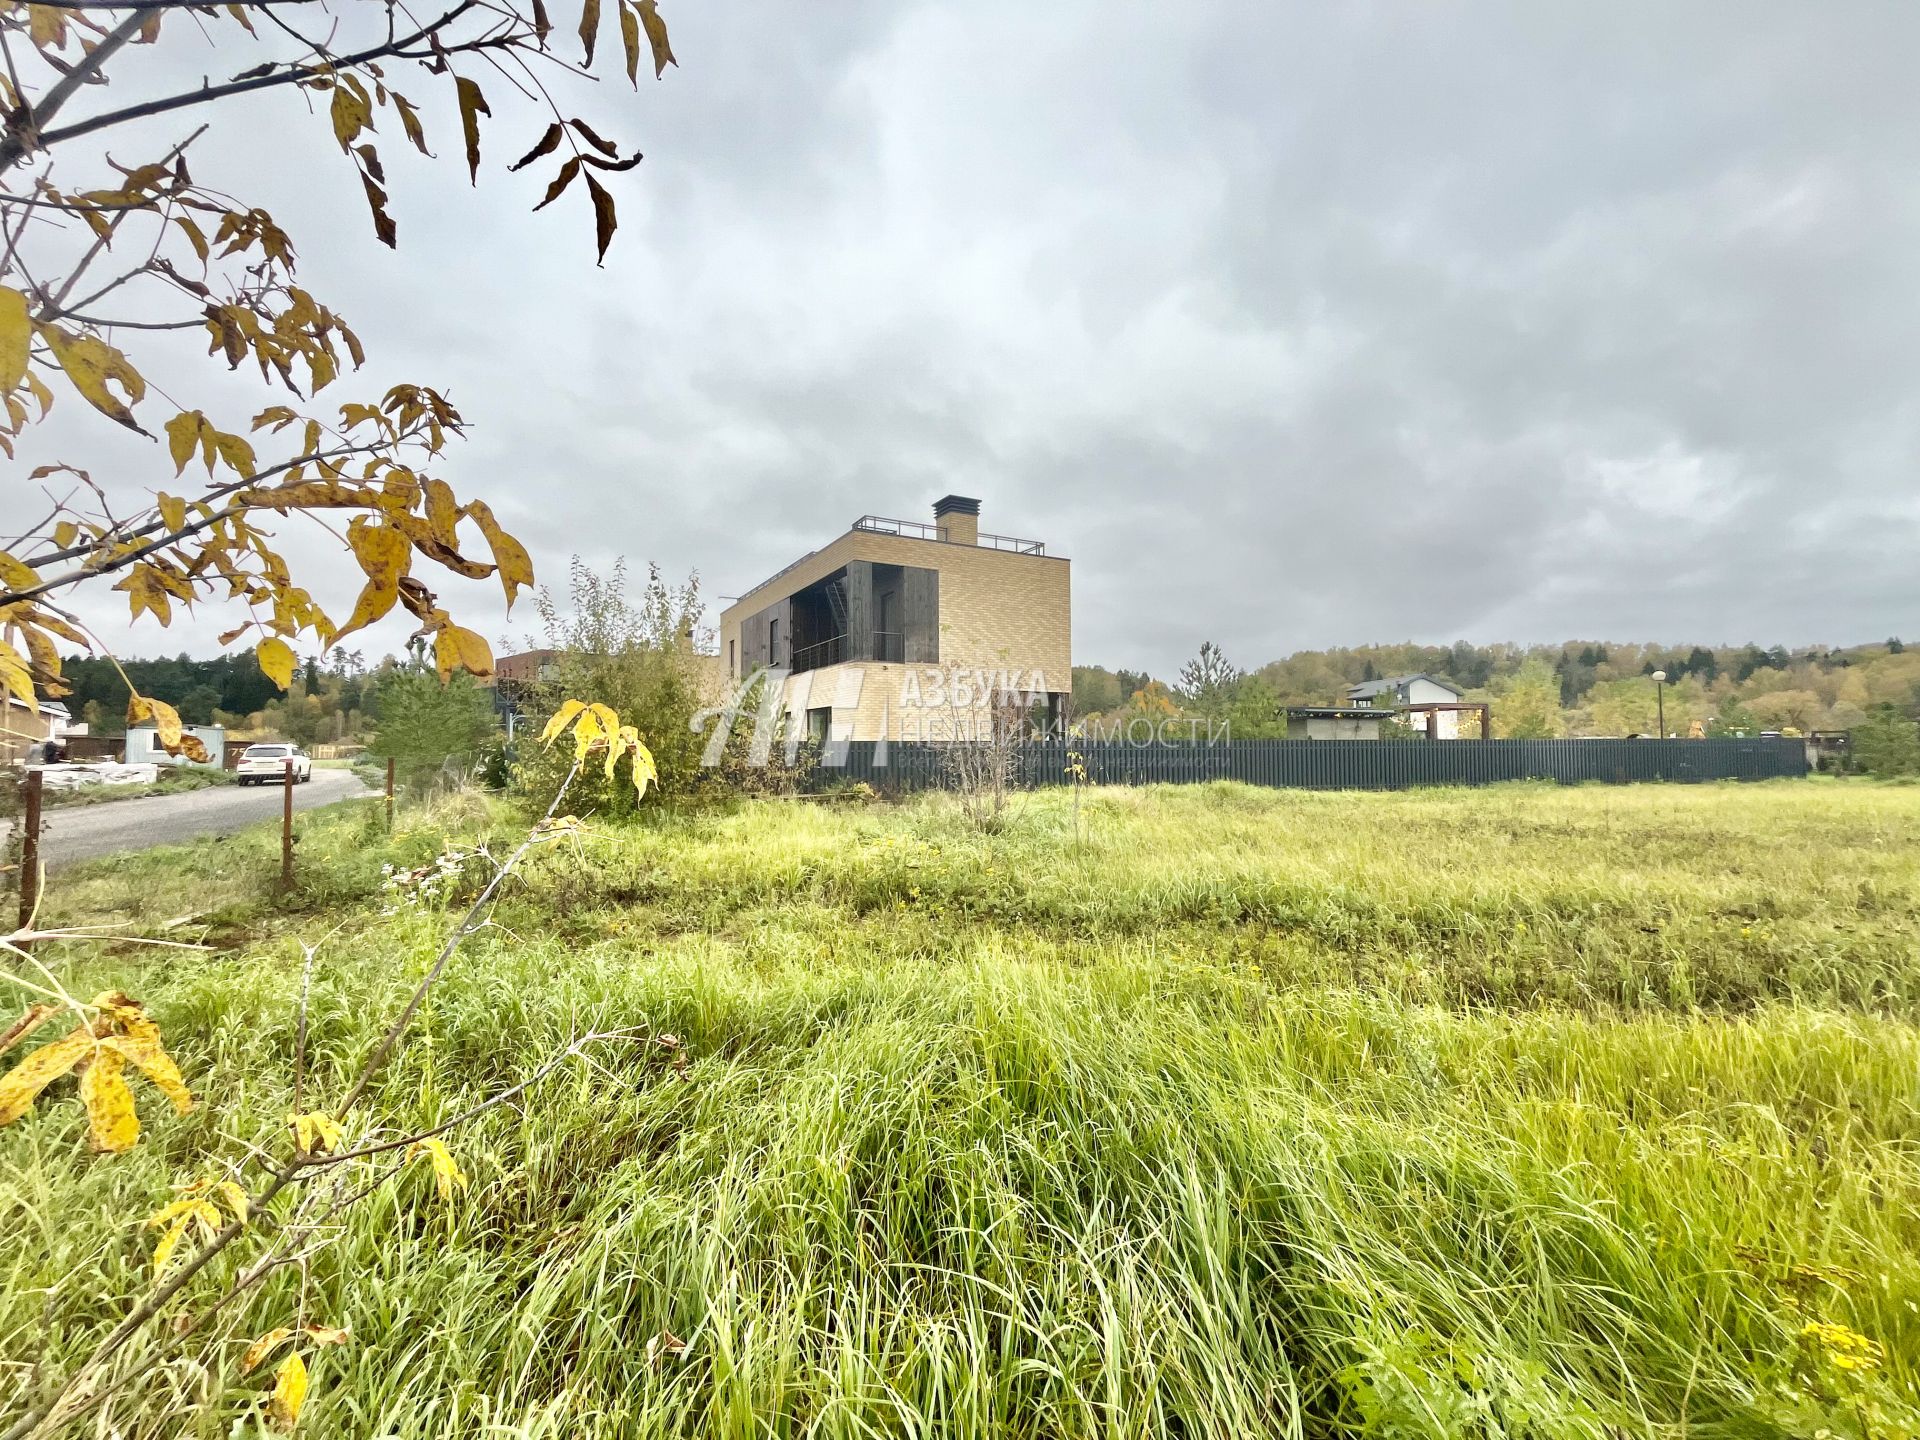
{"x":330,"y":699}
{"x":1540,"y":691}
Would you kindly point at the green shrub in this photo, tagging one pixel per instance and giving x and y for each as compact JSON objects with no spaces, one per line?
{"x":1887,"y":743}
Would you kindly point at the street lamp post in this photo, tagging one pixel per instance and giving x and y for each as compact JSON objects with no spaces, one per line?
{"x":1660,"y":699}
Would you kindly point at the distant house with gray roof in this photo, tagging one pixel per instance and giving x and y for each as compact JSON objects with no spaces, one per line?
{"x":1413,"y":690}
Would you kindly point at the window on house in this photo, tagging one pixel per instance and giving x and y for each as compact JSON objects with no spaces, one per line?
{"x":733,"y":667}
{"x":773,"y":642}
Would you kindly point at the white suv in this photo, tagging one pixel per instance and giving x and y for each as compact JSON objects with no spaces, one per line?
{"x":267,"y":765}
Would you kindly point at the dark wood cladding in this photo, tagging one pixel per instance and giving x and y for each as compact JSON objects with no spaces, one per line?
{"x":920,"y":595}
{"x":757,"y":637}
{"x":905,"y":597}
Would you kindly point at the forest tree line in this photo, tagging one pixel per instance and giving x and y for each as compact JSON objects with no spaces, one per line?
{"x":333,"y":698}
{"x":1578,"y":688}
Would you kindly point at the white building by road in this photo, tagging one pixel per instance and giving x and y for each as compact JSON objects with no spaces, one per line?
{"x":144,"y":747}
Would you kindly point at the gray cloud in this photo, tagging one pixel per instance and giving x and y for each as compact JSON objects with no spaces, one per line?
{"x":1294,"y":325}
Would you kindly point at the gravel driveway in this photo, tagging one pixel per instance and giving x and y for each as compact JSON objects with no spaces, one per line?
{"x":82,"y":832}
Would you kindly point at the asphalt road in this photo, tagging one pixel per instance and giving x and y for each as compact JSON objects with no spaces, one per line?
{"x":82,"y":832}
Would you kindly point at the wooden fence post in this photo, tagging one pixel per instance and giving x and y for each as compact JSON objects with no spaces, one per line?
{"x":30,"y":847}
{"x":286,"y":826}
{"x":389,"y":794}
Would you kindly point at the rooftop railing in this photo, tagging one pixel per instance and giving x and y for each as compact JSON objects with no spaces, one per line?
{"x":920,"y":530}
{"x":913,"y":530}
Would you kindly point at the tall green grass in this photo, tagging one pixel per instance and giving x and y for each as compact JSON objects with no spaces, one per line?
{"x":1525,"y":1112}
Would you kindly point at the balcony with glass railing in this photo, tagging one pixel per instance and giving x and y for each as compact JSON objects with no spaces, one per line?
{"x":888,"y":647}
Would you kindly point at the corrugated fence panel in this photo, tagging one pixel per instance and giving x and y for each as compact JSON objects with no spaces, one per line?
{"x":1339,"y":764}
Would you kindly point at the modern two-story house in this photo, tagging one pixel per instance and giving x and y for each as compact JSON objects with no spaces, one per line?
{"x":1414,"y":693}
{"x":902,"y":630}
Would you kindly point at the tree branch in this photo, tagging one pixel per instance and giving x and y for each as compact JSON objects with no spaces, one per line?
{"x":206,"y":93}
{"x":24,"y":132}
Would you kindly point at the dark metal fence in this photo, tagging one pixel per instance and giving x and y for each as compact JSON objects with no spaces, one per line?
{"x":1337,"y":764}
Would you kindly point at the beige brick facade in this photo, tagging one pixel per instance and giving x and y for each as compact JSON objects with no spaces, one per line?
{"x":1004,"y":621}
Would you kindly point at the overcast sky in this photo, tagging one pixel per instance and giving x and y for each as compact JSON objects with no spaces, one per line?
{"x":1293,"y":325}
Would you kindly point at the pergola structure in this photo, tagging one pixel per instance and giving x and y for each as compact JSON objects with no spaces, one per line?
{"x":1432,"y":711}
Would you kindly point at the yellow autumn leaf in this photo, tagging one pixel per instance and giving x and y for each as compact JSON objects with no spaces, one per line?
{"x":656,"y":37}
{"x":101,"y":1051}
{"x":289,"y":1392}
{"x":443,"y":512}
{"x":112,"y":1125}
{"x":351,"y":111}
{"x":277,"y":660}
{"x":624,"y":739}
{"x":146,"y":592}
{"x":40,"y":392}
{"x":235,"y":452}
{"x":315,"y":1132}
{"x":509,"y":555}
{"x":173,"y":511}
{"x":645,"y":772}
{"x":16,"y":677}
{"x":260,"y":1349}
{"x":54,"y":625}
{"x":410,"y":122}
{"x":472,"y":106}
{"x":22,"y":1085}
{"x":183,"y":435}
{"x":382,"y":551}
{"x":195,"y":749}
{"x":174,"y":1220}
{"x":169,"y":1242}
{"x":447,"y":1176}
{"x":457,"y":649}
{"x":166,"y":725}
{"x":563,"y":717}
{"x":589,"y":26}
{"x":586,"y":731}
{"x":143,"y":1048}
{"x":93,"y":365}
{"x":604,"y":725}
{"x":41,"y":651}
{"x":236,"y":1199}
{"x":630,"y":39}
{"x":47,"y":26}
{"x":16,"y":574}
{"x":263,"y":1347}
{"x":195,"y":236}
{"x":16,"y":338}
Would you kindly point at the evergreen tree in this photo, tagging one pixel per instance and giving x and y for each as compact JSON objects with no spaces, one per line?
{"x":1208,"y":681}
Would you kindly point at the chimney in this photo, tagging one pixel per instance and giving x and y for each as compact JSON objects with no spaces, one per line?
{"x":958,"y":519}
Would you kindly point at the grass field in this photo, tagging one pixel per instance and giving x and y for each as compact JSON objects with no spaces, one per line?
{"x":1518,"y":1112}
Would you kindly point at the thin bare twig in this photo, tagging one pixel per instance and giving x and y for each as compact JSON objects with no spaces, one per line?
{"x":577,"y":1048}
{"x":207,"y":93}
